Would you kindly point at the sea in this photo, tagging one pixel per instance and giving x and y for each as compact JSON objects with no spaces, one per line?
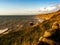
{"x":14,"y":21}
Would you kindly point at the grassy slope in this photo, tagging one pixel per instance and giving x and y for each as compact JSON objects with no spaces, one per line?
{"x":48,"y":15}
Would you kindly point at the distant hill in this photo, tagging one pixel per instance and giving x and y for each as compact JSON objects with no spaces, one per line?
{"x":48,"y":15}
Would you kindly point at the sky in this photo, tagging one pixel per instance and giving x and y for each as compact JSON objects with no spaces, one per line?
{"x":25,"y":7}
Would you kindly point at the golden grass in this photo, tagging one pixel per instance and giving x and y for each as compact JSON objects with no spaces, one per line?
{"x":48,"y":15}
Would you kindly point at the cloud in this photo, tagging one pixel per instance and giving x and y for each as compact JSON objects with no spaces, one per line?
{"x":48,"y":9}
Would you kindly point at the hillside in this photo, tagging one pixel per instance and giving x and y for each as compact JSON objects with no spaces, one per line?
{"x":30,"y":34}
{"x":48,"y":15}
